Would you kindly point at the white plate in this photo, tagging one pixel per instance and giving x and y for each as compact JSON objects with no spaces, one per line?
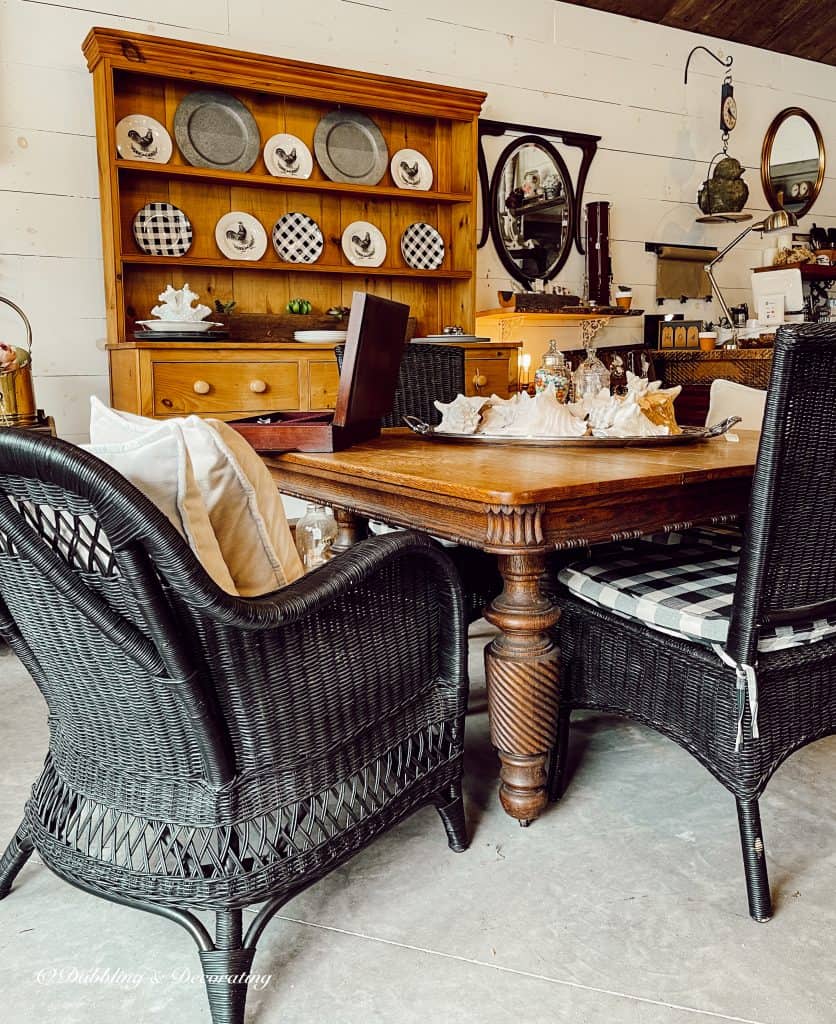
{"x":240,"y":236}
{"x":179,"y":326}
{"x":162,"y":229}
{"x":287,"y":156}
{"x":364,"y":244}
{"x":422,"y":247}
{"x":142,"y":138}
{"x":297,"y":238}
{"x":411,"y":169}
{"x":312,"y":336}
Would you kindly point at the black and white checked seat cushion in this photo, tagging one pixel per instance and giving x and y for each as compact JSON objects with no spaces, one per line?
{"x":681,"y":584}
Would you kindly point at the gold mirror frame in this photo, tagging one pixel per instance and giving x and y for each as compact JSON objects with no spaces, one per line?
{"x":769,"y":139}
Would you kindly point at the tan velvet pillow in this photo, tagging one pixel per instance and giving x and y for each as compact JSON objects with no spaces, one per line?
{"x":242,"y":502}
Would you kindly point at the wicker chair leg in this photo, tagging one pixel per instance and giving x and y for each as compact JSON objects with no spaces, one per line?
{"x":754,"y":860}
{"x":226,"y":969}
{"x":450,"y":807}
{"x":560,"y":753}
{"x":17,"y":853}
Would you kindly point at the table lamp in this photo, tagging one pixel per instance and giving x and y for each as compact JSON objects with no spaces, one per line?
{"x":780,"y":220}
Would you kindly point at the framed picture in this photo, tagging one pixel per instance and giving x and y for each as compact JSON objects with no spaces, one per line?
{"x":679,"y":334}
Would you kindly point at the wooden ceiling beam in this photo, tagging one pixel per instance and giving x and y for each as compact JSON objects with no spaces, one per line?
{"x":802,"y":28}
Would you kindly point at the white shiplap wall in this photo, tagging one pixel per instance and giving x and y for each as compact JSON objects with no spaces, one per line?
{"x":540,"y":62}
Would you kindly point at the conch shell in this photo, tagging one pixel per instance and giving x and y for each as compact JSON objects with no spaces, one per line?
{"x":461,"y":416}
{"x":655,"y":401}
{"x":544,"y":416}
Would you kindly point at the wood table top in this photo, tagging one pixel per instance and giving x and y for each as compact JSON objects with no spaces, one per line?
{"x":510,"y":475}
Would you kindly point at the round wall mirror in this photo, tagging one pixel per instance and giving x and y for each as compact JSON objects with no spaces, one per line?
{"x":792,"y":161}
{"x":531,"y":209}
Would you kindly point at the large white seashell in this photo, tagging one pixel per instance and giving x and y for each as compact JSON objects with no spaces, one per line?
{"x":544,"y":416}
{"x":499,"y":414}
{"x":461,"y":416}
{"x":630,"y":421}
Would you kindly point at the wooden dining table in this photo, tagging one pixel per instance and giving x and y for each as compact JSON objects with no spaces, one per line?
{"x":520,"y":504}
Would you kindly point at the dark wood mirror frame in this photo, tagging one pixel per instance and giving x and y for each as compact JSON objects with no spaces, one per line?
{"x":493,"y":200}
{"x":588,"y":144}
{"x":766,"y":152}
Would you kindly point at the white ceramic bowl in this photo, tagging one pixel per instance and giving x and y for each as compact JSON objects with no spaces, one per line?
{"x":319,"y":336}
{"x":178,"y":326}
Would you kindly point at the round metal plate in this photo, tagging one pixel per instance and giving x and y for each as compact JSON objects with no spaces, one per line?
{"x":350,"y":148}
{"x":214,"y":129}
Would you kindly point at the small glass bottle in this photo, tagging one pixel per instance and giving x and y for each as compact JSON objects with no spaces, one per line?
{"x":591,"y":376}
{"x":553,"y":370}
{"x":316,"y":532}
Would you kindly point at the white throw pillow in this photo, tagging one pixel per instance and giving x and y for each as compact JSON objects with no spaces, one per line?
{"x":728,"y":398}
{"x":157,"y":463}
{"x":242,"y":501}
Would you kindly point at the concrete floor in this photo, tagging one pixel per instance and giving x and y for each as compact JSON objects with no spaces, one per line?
{"x":625,"y":903}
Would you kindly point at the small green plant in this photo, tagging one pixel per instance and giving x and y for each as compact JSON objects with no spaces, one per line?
{"x":300,"y":306}
{"x":339,"y":312}
{"x":225,"y":308}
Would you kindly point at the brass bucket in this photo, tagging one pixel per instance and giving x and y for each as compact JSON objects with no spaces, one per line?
{"x":17,"y":394}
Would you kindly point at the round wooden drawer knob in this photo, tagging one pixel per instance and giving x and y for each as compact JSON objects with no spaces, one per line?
{"x":479,"y":380}
{"x":200,"y":387}
{"x":258,"y":387}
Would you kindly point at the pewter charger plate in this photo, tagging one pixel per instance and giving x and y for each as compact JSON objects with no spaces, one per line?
{"x":689,"y":435}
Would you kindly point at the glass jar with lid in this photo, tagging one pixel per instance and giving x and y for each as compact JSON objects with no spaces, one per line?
{"x":591,"y":376}
{"x":316,"y":532}
{"x":555,"y":371}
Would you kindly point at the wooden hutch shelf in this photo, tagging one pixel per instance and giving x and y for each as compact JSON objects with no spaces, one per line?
{"x":141,"y":260}
{"x":249,"y":180}
{"x":141,"y":74}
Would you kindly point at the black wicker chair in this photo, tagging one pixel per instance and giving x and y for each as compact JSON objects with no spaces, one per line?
{"x":209,"y":753}
{"x":786,"y":575}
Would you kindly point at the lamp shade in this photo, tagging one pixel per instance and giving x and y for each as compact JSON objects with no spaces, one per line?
{"x":780,"y":220}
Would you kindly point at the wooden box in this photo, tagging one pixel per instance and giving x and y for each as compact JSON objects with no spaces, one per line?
{"x":373,"y":351}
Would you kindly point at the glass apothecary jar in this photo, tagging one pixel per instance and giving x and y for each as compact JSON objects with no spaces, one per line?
{"x":316,"y":532}
{"x":553,"y":370}
{"x":591,"y":376}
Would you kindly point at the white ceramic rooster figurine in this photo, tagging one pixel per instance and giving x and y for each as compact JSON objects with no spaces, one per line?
{"x":176,"y":306}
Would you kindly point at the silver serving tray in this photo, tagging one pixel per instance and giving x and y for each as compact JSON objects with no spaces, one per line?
{"x":689,"y":435}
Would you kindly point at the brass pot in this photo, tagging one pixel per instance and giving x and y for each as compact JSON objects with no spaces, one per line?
{"x":17,"y":394}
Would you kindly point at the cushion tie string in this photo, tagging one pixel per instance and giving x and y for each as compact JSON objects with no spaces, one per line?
{"x":747,"y":681}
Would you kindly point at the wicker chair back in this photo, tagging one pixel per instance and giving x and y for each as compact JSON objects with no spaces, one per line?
{"x":788,"y":565}
{"x":83,"y":557}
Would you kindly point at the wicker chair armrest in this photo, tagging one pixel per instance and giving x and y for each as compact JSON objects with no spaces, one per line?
{"x":340,"y":575}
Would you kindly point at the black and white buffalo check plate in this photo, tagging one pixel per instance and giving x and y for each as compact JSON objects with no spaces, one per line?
{"x":297,"y":238}
{"x":422,"y":247}
{"x":161,"y":229}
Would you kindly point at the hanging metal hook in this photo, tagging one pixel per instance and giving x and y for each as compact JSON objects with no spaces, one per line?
{"x":727,"y":63}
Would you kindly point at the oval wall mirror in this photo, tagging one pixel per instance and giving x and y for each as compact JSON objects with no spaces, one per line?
{"x":531,"y":209}
{"x":792,"y":161}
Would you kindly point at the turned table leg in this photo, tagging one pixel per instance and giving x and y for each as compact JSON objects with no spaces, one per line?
{"x":350,"y":529}
{"x":522,"y":671}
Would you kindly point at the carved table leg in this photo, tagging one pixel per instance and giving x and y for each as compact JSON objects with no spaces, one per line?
{"x":522,"y":671}
{"x":350,"y":529}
